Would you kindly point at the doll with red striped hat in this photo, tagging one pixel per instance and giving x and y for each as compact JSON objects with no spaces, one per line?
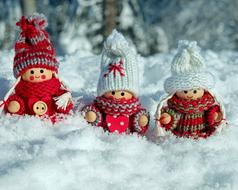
{"x":191,"y":109}
{"x":117,"y":107}
{"x":38,"y":90}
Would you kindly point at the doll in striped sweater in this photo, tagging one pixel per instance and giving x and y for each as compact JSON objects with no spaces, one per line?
{"x":190,"y":110}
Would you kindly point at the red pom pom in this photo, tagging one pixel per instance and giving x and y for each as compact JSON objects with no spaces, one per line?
{"x":36,"y":21}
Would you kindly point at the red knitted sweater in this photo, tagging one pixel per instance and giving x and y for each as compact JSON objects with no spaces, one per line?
{"x":28,"y":93}
{"x":192,"y":118}
{"x":111,"y":113}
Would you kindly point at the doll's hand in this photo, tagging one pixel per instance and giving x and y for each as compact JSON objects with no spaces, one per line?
{"x":13,"y":106}
{"x":165,"y":118}
{"x":143,"y":120}
{"x":90,"y":116}
{"x":217,"y":117}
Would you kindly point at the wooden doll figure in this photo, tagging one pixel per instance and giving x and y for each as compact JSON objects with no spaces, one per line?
{"x":190,"y":110}
{"x":117,"y":107}
{"x":38,"y":90}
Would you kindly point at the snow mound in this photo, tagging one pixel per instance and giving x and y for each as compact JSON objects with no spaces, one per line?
{"x":73,"y":155}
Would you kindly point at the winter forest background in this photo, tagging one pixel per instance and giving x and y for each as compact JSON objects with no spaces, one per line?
{"x":154,"y":26}
{"x":72,"y":155}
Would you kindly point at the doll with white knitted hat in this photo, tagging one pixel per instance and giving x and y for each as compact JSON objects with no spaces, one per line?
{"x":38,"y":90}
{"x":117,"y":107}
{"x":190,"y":110}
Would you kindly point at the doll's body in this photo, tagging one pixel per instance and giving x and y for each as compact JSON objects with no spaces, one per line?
{"x":117,"y":107}
{"x":122,"y":114}
{"x":190,"y":109}
{"x":38,"y":90}
{"x":191,"y":117}
{"x":37,"y":98}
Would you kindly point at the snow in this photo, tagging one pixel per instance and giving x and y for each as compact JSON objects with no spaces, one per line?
{"x":73,"y":155}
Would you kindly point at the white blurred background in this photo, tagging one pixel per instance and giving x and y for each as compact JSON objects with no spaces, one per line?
{"x":154,"y":26}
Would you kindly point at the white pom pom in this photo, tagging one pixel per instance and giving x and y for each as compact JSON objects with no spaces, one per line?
{"x":188,"y":59}
{"x":190,"y":46}
{"x":116,"y":44}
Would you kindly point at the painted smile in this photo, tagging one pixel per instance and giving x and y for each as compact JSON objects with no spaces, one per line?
{"x":189,"y":97}
{"x":37,"y":77}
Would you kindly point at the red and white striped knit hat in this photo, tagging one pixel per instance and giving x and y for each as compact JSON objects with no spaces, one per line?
{"x":33,"y":48}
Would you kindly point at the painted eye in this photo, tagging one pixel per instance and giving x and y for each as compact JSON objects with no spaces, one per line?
{"x":123,"y":94}
{"x":195,"y":91}
{"x":185,"y":91}
{"x":113,"y":93}
{"x":41,"y":71}
{"x":32,"y":72}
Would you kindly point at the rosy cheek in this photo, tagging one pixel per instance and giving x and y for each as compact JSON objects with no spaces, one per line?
{"x":43,"y":76}
{"x":32,"y":77}
{"x":111,"y":96}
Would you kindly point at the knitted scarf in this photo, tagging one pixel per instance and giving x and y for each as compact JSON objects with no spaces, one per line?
{"x":40,"y":89}
{"x":191,"y":121}
{"x":191,"y":106}
{"x":118,"y":107}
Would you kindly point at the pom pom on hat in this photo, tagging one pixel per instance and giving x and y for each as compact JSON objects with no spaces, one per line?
{"x":188,"y":70}
{"x":188,"y":59}
{"x":36,"y":20}
{"x":116,"y":44}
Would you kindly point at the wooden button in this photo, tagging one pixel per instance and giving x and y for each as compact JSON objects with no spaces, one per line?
{"x":40,"y":108}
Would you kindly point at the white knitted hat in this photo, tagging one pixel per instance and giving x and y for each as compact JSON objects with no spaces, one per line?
{"x":188,"y":70}
{"x":119,"y":70}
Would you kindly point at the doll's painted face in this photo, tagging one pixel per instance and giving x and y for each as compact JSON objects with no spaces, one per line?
{"x":190,"y":94}
{"x":37,"y":75}
{"x":118,"y":95}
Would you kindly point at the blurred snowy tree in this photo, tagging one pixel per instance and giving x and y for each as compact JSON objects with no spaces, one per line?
{"x":10,"y":12}
{"x":110,"y":15}
{"x":83,"y":24}
{"x":28,"y":6}
{"x":79,"y":24}
{"x":136,"y":21}
{"x":213,"y":23}
{"x":152,"y":25}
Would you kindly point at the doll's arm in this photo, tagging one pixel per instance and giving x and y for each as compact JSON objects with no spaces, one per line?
{"x":92,"y":115}
{"x":214,"y":115}
{"x":140,"y":121}
{"x":15,"y":105}
{"x":166,"y":119}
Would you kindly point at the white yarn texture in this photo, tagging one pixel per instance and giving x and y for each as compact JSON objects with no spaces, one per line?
{"x":117,"y":48}
{"x":188,"y":70}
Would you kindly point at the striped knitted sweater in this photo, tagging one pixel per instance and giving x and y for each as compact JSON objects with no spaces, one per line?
{"x":192,"y":118}
{"x":121,"y":116}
